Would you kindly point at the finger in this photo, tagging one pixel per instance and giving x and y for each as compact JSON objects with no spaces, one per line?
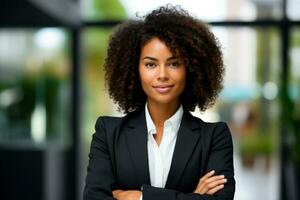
{"x":211,"y":183}
{"x":207,"y":175}
{"x":207,"y":181}
{"x":116,"y":193}
{"x":216,"y":183}
{"x":215,"y":189}
{"x":213,"y":179}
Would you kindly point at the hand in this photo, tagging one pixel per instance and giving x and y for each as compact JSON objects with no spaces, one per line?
{"x":210,"y":184}
{"x":127,"y":194}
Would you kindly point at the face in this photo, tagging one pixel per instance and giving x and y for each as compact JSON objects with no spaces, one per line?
{"x":162,"y":74}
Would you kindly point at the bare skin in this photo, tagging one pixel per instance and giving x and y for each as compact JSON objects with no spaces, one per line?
{"x":163,"y":80}
{"x":159,"y":115}
{"x":162,"y":77}
{"x":127,"y":194}
{"x":210,"y":183}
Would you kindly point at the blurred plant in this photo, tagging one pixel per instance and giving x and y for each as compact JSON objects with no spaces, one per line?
{"x":296,"y":130}
{"x":105,"y":10}
{"x":291,"y":102}
{"x":34,"y":83}
{"x":291,"y":123}
{"x":257,"y":144}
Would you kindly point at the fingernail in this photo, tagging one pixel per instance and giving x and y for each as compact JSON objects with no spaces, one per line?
{"x":222,"y":176}
{"x":212,"y":171}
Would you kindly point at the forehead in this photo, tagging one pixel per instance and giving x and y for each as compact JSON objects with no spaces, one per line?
{"x":155,"y":44}
{"x":156,"y":47}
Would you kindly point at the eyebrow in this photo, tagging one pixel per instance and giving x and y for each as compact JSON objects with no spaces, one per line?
{"x":155,"y":59}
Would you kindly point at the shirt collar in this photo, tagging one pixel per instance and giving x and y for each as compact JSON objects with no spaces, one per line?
{"x":174,"y":120}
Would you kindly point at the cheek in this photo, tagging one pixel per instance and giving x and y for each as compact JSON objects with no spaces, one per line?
{"x":181,"y":79}
{"x":182,"y":85}
{"x":146,"y":76}
{"x":145,"y":79}
{"x":141,"y":74}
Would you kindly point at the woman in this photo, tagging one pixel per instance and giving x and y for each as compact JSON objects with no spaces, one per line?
{"x":158,"y":69}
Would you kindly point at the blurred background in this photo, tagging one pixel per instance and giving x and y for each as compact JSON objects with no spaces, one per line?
{"x":52,"y":91}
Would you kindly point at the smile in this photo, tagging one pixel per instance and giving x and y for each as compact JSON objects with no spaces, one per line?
{"x":163,"y":89}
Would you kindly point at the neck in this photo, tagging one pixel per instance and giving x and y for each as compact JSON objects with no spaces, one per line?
{"x":161,"y":112}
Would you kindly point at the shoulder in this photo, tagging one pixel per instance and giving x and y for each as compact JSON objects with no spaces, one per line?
{"x":112,"y":122}
{"x":208,"y":126}
{"x":107,"y":121}
{"x":215,"y":136}
{"x":219,"y":126}
{"x":213,"y":130}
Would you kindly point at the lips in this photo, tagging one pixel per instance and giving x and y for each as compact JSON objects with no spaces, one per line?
{"x":163,"y":89}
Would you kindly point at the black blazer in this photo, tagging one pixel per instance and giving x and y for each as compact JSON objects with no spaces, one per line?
{"x":119,"y":159}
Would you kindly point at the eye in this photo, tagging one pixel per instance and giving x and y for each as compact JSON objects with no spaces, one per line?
{"x":174,"y":64}
{"x":150,"y":65}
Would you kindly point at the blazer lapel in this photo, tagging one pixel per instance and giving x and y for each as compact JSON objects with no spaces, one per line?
{"x":136,"y":136}
{"x":187,"y":138}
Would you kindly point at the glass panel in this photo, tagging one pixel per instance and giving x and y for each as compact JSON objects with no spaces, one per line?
{"x":293,"y":7}
{"x":295,"y":65}
{"x":294,"y":94}
{"x":34,"y":86}
{"x":249,"y":103}
{"x":215,"y":9}
{"x":95,"y":96}
{"x":206,"y":10}
{"x":95,"y":99}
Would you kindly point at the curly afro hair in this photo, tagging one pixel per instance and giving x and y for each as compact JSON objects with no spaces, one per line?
{"x":186,"y":37}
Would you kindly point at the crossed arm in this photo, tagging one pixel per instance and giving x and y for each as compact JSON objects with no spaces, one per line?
{"x":209,"y":184}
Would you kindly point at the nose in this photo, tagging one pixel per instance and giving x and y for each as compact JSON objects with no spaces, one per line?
{"x":162,"y":73}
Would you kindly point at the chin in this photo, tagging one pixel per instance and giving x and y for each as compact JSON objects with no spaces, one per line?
{"x":167,"y":100}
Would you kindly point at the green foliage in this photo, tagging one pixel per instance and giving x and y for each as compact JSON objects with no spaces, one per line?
{"x":95,"y":44}
{"x":108,"y":9}
{"x":295,"y":123}
{"x":256,"y":144}
{"x":291,"y":123}
{"x":295,"y":39}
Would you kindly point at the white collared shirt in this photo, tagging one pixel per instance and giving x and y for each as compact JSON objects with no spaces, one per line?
{"x":160,"y":157}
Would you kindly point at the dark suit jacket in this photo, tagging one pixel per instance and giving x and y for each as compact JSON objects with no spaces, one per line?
{"x":119,"y":159}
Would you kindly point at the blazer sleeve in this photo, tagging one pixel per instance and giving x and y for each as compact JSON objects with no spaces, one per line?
{"x":219,"y":158}
{"x":100,"y":177}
